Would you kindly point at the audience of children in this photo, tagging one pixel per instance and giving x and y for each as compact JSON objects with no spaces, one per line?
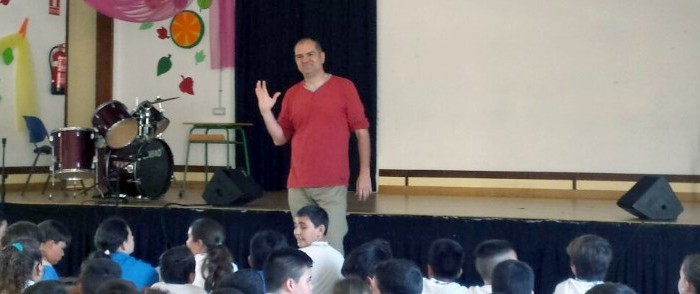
{"x":310,"y":228}
{"x":288,"y":270}
{"x":589,"y":257}
{"x":213,"y":261}
{"x":20,"y":265}
{"x":177,"y":271}
{"x":56,"y":238}
{"x":32,"y":250}
{"x":114,"y":239}
{"x":445,"y":260}
{"x":488,"y":254}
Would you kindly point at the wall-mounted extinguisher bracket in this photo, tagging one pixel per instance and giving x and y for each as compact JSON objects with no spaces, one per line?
{"x":58,"y":61}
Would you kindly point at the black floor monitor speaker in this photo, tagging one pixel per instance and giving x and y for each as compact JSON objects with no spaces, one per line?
{"x":231,"y":187}
{"x":651,"y":198}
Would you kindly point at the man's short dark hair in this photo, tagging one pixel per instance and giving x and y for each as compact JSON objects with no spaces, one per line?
{"x":21,"y":230}
{"x":362,"y":260}
{"x":611,"y":288}
{"x":512,"y":277}
{"x":55,"y":231}
{"x":319,"y":48}
{"x":398,"y":276}
{"x":445,"y":257}
{"x":246,"y":280}
{"x":96,"y":271}
{"x":590,"y":255}
{"x":316,"y":214}
{"x":284,"y":264}
{"x":262,"y":244}
{"x":176,"y":265}
{"x":490,"y":253}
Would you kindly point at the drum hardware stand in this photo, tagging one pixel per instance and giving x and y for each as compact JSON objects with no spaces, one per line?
{"x":3,"y":176}
{"x":96,"y":181}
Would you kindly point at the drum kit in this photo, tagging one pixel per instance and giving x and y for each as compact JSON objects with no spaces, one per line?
{"x":136,"y":162}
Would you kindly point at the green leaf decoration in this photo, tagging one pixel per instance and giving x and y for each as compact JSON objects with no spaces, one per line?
{"x":164,"y":64}
{"x":203,"y":4}
{"x":199,"y":57}
{"x":8,"y":56}
{"x":145,"y":26}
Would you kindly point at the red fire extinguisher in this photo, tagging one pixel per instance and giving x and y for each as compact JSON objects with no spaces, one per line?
{"x":58,"y":61}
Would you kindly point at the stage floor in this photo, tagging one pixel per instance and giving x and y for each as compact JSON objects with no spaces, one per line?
{"x":493,"y":206}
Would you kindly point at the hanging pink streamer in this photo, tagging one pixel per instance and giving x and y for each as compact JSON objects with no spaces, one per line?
{"x":222,"y":33}
{"x":139,"y":10}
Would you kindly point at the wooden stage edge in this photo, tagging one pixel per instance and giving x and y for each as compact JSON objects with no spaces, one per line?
{"x":535,"y":204}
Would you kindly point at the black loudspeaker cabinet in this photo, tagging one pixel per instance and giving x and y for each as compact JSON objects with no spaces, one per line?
{"x":651,"y":198}
{"x":229,"y":187}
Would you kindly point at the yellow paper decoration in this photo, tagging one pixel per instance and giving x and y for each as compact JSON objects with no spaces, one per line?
{"x":25,"y":93}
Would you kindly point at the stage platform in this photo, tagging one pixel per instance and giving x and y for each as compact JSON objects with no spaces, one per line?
{"x":647,"y":254}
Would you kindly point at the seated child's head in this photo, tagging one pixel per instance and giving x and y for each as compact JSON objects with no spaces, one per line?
{"x":362,"y":260}
{"x":262,"y":244}
{"x":689,"y":281}
{"x":590,"y":256}
{"x":245,"y":280}
{"x":397,"y":276}
{"x":114,"y":235}
{"x":119,"y":286}
{"x":96,"y":271}
{"x":47,"y":287}
{"x":490,"y":253}
{"x":288,"y":270}
{"x":445,"y":259}
{"x":20,"y":261}
{"x":352,"y":285}
{"x":205,"y":234}
{"x":177,"y":265}
{"x":513,"y":277}
{"x":20,"y":230}
{"x":310,"y":225}
{"x":611,"y":288}
{"x":56,"y":238}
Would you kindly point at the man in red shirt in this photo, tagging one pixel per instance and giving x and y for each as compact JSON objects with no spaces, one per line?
{"x":318,"y":115}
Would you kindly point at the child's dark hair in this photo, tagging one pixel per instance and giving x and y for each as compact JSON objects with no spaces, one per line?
{"x":611,"y":288}
{"x":20,"y":230}
{"x":262,"y":244}
{"x":117,"y":286}
{"x":47,"y":287}
{"x":95,"y":271}
{"x":110,"y":234}
{"x":247,"y":281}
{"x":17,"y":263}
{"x":691,"y":269}
{"x":446,"y":257}
{"x":55,"y":231}
{"x":399,"y":276}
{"x":362,"y":260}
{"x":513,"y":277}
{"x":218,"y":261}
{"x":283,"y":264}
{"x":590,"y":255}
{"x":316,"y":214}
{"x":176,"y":265}
{"x":490,"y":253}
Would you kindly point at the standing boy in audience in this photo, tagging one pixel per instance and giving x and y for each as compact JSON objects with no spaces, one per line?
{"x":397,"y":276}
{"x":288,"y":270}
{"x":56,"y":238}
{"x":589,"y":256}
{"x":488,"y":254}
{"x":310,"y":225}
{"x":445,"y":259}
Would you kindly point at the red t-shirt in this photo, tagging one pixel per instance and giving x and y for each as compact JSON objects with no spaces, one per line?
{"x":319,"y":125}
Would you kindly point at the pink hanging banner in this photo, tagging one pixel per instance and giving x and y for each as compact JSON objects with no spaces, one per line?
{"x":222,"y":27}
{"x":139,"y":10}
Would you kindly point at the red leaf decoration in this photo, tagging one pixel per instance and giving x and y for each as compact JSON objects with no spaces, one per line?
{"x":187,"y":85}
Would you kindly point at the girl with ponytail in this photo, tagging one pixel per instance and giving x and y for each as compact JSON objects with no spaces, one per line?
{"x":20,"y":265}
{"x":205,"y":239}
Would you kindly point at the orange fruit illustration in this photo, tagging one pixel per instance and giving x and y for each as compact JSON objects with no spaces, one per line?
{"x":186,"y":29}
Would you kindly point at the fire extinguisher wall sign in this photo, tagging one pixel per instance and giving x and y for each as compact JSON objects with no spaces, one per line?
{"x":58,"y":61}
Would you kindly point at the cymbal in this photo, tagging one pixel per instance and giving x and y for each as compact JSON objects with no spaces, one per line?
{"x":159,"y":100}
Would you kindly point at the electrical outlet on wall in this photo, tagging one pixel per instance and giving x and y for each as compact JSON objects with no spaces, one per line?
{"x":219,"y":111}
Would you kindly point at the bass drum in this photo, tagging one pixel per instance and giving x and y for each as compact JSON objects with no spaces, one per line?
{"x":143,"y":169}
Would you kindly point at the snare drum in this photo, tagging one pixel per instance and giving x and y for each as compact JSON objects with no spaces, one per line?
{"x":144,"y":168}
{"x":152,"y":122}
{"x":73,"y":153}
{"x":113,"y":122}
